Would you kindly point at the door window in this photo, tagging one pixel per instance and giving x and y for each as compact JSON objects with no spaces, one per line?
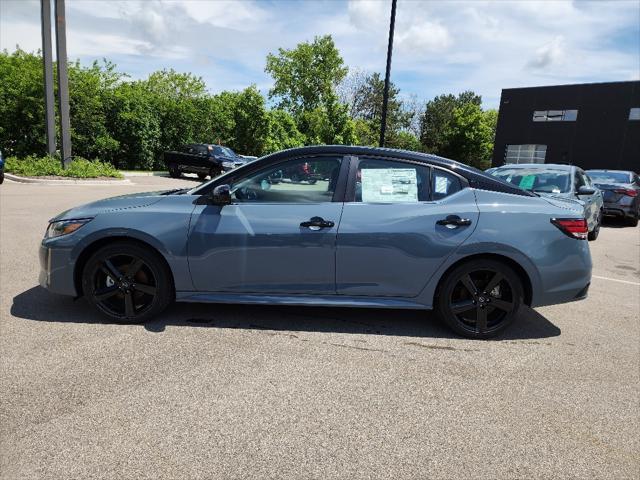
{"x":578,"y":180}
{"x":444,"y":184}
{"x":303,"y":180}
{"x":387,"y":181}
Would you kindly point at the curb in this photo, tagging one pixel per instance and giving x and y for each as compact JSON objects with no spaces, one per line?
{"x":50,"y":181}
{"x":144,"y":174}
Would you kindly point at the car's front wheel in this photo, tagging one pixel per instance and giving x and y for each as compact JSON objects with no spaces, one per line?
{"x":480,"y":298}
{"x":127,"y":283}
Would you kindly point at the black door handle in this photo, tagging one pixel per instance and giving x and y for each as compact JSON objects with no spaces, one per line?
{"x":453,"y":221}
{"x":316,"y":223}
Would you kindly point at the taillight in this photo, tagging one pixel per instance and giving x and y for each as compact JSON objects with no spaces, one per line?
{"x":627,"y":191}
{"x":572,"y":227}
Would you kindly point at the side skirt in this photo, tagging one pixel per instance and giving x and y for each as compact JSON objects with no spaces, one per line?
{"x":303,"y":300}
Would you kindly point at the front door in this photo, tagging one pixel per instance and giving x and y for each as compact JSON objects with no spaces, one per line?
{"x":279,"y":235}
{"x":403,"y":221}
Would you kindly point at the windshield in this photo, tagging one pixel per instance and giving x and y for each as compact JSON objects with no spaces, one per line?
{"x":227,"y":152}
{"x":609,"y":177}
{"x":536,"y":179}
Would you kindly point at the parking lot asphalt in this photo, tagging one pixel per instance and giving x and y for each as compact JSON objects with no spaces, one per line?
{"x":211,"y":391}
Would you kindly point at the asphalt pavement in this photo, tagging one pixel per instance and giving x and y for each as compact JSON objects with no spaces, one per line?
{"x":211,"y":391}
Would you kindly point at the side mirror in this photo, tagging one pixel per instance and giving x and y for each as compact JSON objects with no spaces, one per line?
{"x":221,"y":195}
{"x":584,"y":190}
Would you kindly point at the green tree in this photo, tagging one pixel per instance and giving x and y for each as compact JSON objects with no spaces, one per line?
{"x":469,"y":136}
{"x":251,"y":122}
{"x":283,"y":132}
{"x":305,"y":78}
{"x":22,"y":117}
{"x":438,"y":115}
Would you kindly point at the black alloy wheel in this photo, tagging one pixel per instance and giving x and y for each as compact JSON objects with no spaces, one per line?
{"x":479,"y":299}
{"x":174,"y":171}
{"x":593,"y":234}
{"x":127,"y":282}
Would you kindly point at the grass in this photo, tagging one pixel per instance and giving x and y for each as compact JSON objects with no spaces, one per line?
{"x":33,"y":166}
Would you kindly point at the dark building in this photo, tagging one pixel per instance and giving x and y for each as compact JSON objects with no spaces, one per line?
{"x":593,"y":125}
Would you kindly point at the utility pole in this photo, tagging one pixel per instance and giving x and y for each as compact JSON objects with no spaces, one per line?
{"x":63,"y":83}
{"x":385,"y":98}
{"x":47,"y":62}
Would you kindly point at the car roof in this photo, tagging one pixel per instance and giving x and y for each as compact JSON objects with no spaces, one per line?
{"x":607,"y":170}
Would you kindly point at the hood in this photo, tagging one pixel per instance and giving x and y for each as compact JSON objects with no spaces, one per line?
{"x":122,"y":202}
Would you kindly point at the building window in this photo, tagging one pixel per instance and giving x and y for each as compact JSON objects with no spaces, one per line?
{"x":555,"y":115}
{"x":525,"y":153}
{"x":634,"y":113}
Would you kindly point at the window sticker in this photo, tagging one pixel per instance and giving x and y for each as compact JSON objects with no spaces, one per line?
{"x":527,"y":181}
{"x":442,"y":185}
{"x":389,"y":185}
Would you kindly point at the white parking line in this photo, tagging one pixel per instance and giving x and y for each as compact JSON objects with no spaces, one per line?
{"x":616,"y":280}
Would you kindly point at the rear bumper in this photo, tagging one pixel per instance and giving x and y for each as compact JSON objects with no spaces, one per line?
{"x":617,"y":210}
{"x":56,"y":270}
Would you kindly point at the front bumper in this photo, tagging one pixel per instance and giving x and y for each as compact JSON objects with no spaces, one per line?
{"x":56,"y":270}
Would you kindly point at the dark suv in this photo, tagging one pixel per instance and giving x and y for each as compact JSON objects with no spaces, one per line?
{"x":203,"y":159}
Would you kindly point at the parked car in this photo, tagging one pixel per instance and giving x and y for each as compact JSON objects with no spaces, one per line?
{"x":1,"y":168}
{"x":621,"y":192}
{"x":385,"y":228}
{"x":558,"y":181}
{"x":203,"y":159}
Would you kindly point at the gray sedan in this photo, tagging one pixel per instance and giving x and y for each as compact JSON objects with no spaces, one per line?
{"x":621,"y":191}
{"x":558,"y":181}
{"x":378,"y":228}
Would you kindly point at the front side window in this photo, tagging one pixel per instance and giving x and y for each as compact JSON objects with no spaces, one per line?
{"x":543,"y":180}
{"x":388,"y":181}
{"x":579,"y":181}
{"x":303,"y":180}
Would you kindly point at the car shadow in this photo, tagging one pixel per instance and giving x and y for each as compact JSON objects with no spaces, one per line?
{"x":614,"y":222}
{"x":40,"y":305}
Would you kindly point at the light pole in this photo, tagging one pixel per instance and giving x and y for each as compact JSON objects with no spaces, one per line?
{"x":63,"y":83}
{"x":47,"y":62}
{"x":385,"y":97}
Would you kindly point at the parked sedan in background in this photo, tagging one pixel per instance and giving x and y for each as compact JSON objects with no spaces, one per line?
{"x":558,"y":181}
{"x":380,"y":228}
{"x":203,"y":159}
{"x":621,"y":192}
{"x":1,"y":168}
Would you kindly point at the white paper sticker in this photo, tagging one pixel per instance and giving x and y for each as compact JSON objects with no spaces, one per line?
{"x":389,"y":185}
{"x":442,"y":185}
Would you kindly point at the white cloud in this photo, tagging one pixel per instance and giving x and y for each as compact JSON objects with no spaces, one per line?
{"x":424,"y":37}
{"x":549,"y":54}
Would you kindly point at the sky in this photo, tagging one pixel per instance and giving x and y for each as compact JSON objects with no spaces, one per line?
{"x":441,"y":46}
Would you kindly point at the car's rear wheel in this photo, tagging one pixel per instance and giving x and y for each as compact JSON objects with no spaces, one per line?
{"x":202,"y":176}
{"x":174,"y":171}
{"x":480,"y":298}
{"x":127,"y":283}
{"x":214,"y":172}
{"x":593,"y":234}
{"x":632,"y":221}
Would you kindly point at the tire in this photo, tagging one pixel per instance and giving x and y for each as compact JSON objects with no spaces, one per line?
{"x":312,"y":181}
{"x":463,"y":310}
{"x":1,"y":177}
{"x":113,"y":277}
{"x":174,"y":171}
{"x":214,"y":172}
{"x":593,"y":234}
{"x":631,"y":221}
{"x":202,"y":176}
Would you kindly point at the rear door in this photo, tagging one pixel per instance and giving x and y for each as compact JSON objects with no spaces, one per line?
{"x":400,"y":222}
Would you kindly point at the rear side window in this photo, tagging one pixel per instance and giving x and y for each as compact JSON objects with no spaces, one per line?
{"x":388,"y":181}
{"x":444,"y":184}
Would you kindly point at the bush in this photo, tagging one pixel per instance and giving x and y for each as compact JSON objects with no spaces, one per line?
{"x":33,"y":166}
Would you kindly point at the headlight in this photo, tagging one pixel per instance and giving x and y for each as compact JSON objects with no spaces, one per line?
{"x":65,"y":227}
{"x":228,"y":164}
